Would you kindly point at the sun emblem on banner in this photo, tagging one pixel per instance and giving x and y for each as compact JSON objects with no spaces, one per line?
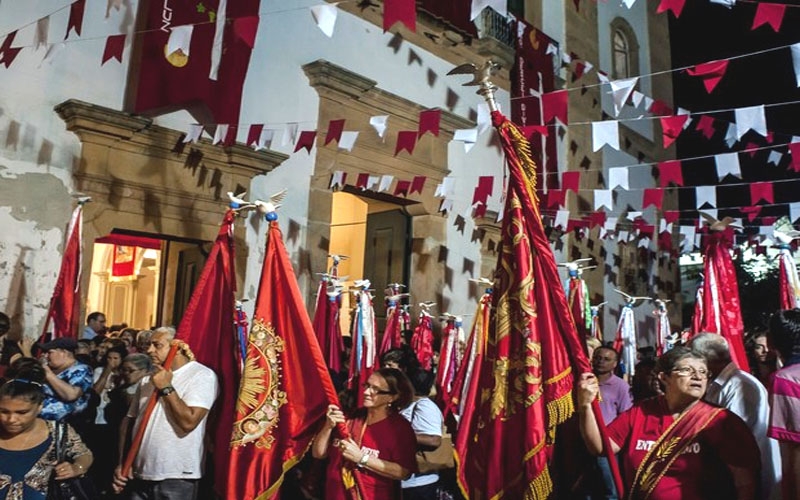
{"x":260,"y":397}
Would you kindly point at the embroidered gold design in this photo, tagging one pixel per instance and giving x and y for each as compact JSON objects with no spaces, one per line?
{"x":517,"y":381}
{"x":260,"y":394}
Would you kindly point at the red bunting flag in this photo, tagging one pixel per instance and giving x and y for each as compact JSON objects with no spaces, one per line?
{"x":761,"y":191}
{"x":794,"y":149}
{"x":8,"y":54}
{"x":65,"y":302}
{"x":406,"y":140}
{"x":254,"y":134}
{"x":285,"y":389}
{"x":429,"y":122}
{"x":306,"y":140}
{"x":671,"y":127}
{"x":555,"y":198}
{"x":75,"y":17}
{"x":114,"y":47}
{"x":570,"y":181}
{"x":483,"y":190}
{"x":480,"y":210}
{"x":362,"y":180}
{"x":597,"y":219}
{"x":676,"y":6}
{"x":769,"y":13}
{"x":417,"y":184}
{"x":208,"y":327}
{"x":660,"y":108}
{"x":555,"y":105}
{"x":230,"y":136}
{"x":404,"y":11}
{"x":653,"y":196}
{"x":670,"y":171}
{"x":245,"y":29}
{"x":751,"y":212}
{"x":671,"y":216}
{"x":335,"y":128}
{"x":706,"y":126}
{"x":402,"y":188}
{"x":531,"y":130}
{"x":710,"y":72}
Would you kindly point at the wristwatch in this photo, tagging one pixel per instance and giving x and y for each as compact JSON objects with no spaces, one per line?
{"x":364,"y":459}
{"x":166,"y":391}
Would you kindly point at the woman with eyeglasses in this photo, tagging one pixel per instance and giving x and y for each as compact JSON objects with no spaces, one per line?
{"x":676,"y":445}
{"x":382,"y":445}
{"x":27,"y":442}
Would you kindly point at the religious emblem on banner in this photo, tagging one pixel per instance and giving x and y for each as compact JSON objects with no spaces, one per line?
{"x":124,"y":261}
{"x":260,"y":397}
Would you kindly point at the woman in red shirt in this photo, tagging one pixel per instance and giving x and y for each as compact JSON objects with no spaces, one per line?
{"x":382,"y":447}
{"x":677,"y":446}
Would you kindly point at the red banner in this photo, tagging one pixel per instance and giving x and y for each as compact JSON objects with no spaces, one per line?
{"x":124,"y":263}
{"x":65,"y":303}
{"x":181,"y":81}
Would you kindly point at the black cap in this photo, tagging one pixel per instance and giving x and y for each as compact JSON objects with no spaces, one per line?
{"x":66,"y":343}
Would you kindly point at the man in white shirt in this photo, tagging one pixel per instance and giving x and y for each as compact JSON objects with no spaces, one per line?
{"x":170,"y":459}
{"x":741,"y":393}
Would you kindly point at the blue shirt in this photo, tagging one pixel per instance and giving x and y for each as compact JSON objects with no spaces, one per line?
{"x":78,"y":375}
{"x":88,"y":333}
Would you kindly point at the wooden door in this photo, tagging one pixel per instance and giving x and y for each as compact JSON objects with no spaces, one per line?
{"x":386,"y":255}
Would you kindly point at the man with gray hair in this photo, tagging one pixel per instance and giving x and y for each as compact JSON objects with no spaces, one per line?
{"x":741,"y":393}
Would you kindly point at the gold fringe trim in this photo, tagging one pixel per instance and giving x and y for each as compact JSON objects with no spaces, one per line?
{"x":523,"y":149}
{"x":541,"y":487}
{"x":559,"y":411}
{"x":553,"y":380}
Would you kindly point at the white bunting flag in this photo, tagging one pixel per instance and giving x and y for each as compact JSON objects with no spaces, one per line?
{"x":748,"y":118}
{"x":386,"y":181}
{"x":775,"y":157}
{"x":325,"y":17}
{"x":220,"y":133}
{"x":289,"y":134}
{"x":728,"y":163}
{"x":796,"y":61}
{"x":618,"y":176}
{"x":603,"y":198}
{"x":562,"y":219}
{"x":794,"y":211}
{"x":379,"y":124}
{"x":348,"y":140}
{"x":468,"y":136}
{"x":337,"y":179}
{"x":605,"y":132}
{"x":194,"y":133}
{"x":180,"y":38}
{"x":621,"y":90}
{"x":705,"y":194}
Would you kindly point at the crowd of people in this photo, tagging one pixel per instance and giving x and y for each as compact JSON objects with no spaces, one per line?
{"x":689,"y":423}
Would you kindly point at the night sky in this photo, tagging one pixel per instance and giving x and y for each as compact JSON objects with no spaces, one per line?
{"x":707,"y":32}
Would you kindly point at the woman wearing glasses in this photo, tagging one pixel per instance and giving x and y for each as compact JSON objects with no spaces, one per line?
{"x":27,"y":443}
{"x":381,"y":449}
{"x":676,"y":445}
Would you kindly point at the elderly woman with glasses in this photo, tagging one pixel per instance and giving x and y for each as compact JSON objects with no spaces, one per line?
{"x":676,"y":445}
{"x":382,"y":446}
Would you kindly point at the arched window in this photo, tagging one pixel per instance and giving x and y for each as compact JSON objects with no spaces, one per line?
{"x":624,"y":50}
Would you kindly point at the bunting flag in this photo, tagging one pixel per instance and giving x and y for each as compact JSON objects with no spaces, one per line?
{"x":7,"y":53}
{"x":578,"y":299}
{"x":448,"y":360}
{"x":364,"y":354}
{"x":66,"y":300}
{"x":676,"y":6}
{"x":75,"y":21}
{"x":422,"y":341}
{"x":393,"y":333}
{"x":769,"y":13}
{"x":285,"y":389}
{"x":533,"y":353}
{"x":721,"y":309}
{"x":404,"y":11}
{"x":464,"y":393}
{"x":326,"y":320}
{"x":710,"y":72}
{"x":186,"y":80}
{"x":662,"y":328}
{"x":209,"y":327}
{"x":625,"y":339}
{"x":115,"y":44}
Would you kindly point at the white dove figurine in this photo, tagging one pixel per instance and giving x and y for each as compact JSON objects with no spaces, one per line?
{"x":268,"y":208}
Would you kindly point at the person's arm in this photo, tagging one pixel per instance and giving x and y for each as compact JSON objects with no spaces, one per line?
{"x":186,"y":417}
{"x":352,"y":452}
{"x":321,"y":443}
{"x":78,"y":457}
{"x":102,"y":380}
{"x":790,"y":460}
{"x":428,"y":441}
{"x":426,"y":421}
{"x":64,"y":390}
{"x":746,"y":481}
{"x":588,"y":388}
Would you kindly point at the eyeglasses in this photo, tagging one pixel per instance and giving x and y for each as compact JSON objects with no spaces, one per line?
{"x":688,"y":371}
{"x":376,"y":390}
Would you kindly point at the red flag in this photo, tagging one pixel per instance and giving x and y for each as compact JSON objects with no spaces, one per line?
{"x":533,"y":351}
{"x":75,"y":17}
{"x":402,"y":188}
{"x":417,"y":184}
{"x":335,"y":128}
{"x":721,"y":309}
{"x":465,"y":388}
{"x":653,"y":196}
{"x":208,"y":327}
{"x":393,"y":333}
{"x":769,"y":13}
{"x":306,"y":140}
{"x":8,"y":54}
{"x":671,"y":127}
{"x":429,"y":122}
{"x":114,"y":47}
{"x":449,"y":360}
{"x":670,"y":171}
{"x":124,"y":263}
{"x":254,"y":134}
{"x":285,"y":388}
{"x":761,"y":191}
{"x":364,"y":354}
{"x":555,"y":105}
{"x":326,"y":324}
{"x":65,"y":303}
{"x":406,"y":139}
{"x":794,"y":149}
{"x":178,"y":81}
{"x":422,"y":341}
{"x":676,"y":6}
{"x":671,"y":216}
{"x":706,"y":125}
{"x":711,"y":73}
{"x":570,"y":181}
{"x":404,"y":11}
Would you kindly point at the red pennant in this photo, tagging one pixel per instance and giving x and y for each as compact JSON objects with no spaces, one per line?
{"x":429,"y":122}
{"x":706,"y":126}
{"x":554,"y":105}
{"x":670,"y":171}
{"x":7,"y":54}
{"x":676,"y":6}
{"x":751,"y":149}
{"x":230,"y":136}
{"x":597,"y":219}
{"x":483,"y":190}
{"x":306,"y":140}
{"x":335,"y":128}
{"x":671,"y":127}
{"x":769,"y":13}
{"x":653,"y":196}
{"x":711,"y":73}
{"x":245,"y":28}
{"x":362,"y":181}
{"x":417,"y":184}
{"x":665,"y":241}
{"x":570,"y":181}
{"x":75,"y":17}
{"x":406,"y":140}
{"x":751,"y":212}
{"x":480,"y":210}
{"x":114,"y":46}
{"x":532,"y":130}
{"x":761,"y":191}
{"x":671,"y":216}
{"x":660,"y":108}
{"x":768,"y":221}
{"x":402,"y":188}
{"x":254,"y":133}
{"x":794,"y":149}
{"x":580,"y":68}
{"x":404,"y":11}
{"x":555,"y":198}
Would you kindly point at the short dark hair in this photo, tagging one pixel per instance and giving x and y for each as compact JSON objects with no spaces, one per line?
{"x":608,"y":348}
{"x":784,"y":332}
{"x":93,"y":316}
{"x":398,"y":384}
{"x":667,"y":361}
{"x":26,"y":381}
{"x":121,"y":350}
{"x":422,"y":381}
{"x":404,"y":356}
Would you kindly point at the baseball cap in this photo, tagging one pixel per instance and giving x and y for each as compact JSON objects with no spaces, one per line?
{"x":65,"y":343}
